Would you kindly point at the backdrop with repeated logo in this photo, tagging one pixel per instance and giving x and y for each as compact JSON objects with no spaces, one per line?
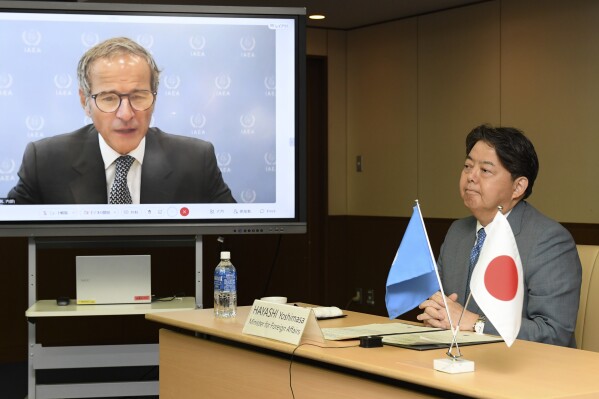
{"x":218,"y":83}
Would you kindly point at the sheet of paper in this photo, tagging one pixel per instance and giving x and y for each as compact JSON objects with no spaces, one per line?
{"x":337,"y":334}
{"x":438,"y":337}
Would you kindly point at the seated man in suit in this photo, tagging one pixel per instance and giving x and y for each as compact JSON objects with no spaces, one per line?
{"x":118,"y":82}
{"x":500,"y":170}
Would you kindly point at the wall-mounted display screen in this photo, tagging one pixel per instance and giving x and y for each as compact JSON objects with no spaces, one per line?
{"x":229,"y":77}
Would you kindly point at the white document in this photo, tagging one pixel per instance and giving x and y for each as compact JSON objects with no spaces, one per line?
{"x":337,"y":334}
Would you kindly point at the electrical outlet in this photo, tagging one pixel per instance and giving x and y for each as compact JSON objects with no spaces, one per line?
{"x":358,"y":297}
{"x":370,"y":297}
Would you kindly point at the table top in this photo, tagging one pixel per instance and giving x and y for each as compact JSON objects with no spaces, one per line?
{"x":526,"y":370}
{"x":49,"y":308}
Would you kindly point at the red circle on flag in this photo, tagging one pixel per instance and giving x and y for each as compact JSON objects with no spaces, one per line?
{"x":501,"y":278}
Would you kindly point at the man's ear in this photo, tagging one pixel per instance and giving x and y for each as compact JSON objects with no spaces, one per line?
{"x":519,"y":187}
{"x":84,"y":103}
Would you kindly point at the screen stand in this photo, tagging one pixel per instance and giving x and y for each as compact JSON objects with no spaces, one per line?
{"x":199,"y":265}
{"x":34,"y":243}
{"x":40,"y":357}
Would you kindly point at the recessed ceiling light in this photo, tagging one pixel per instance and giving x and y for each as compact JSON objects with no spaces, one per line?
{"x":316,"y":16}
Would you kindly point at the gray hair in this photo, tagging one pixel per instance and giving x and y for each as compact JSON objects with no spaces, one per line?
{"x":110,"y":48}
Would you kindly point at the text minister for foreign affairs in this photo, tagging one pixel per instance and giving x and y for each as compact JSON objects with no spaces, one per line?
{"x":118,"y":81}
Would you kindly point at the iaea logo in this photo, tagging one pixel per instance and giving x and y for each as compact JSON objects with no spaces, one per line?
{"x":248,"y":196}
{"x":198,"y":121}
{"x":247,"y":121}
{"x":5,"y":81}
{"x":63,"y":81}
{"x":145,"y":40}
{"x":5,"y":84}
{"x":63,"y":84}
{"x":223,"y":160}
{"x":223,"y":83}
{"x":270,"y":159}
{"x":89,"y":39}
{"x":172,"y":83}
{"x":7,"y":166}
{"x":270,"y":82}
{"x":197,"y":44}
{"x":35,"y":124}
{"x":31,"y":37}
{"x":248,"y":44}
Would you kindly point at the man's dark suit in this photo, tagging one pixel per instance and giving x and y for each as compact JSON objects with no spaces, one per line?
{"x":68,"y":169}
{"x":552,"y":273}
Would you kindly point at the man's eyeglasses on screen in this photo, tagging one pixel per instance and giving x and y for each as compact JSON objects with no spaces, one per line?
{"x":139,"y":100}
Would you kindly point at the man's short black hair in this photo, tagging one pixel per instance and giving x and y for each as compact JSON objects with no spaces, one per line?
{"x":514,"y":150}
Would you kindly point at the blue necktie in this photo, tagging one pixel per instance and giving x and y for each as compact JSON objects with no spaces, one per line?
{"x":119,"y":192}
{"x":480,"y":240}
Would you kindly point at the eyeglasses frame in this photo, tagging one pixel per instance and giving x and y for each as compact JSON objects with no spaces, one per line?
{"x":95,"y":96}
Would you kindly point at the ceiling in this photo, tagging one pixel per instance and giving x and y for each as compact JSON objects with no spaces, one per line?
{"x":351,"y":14}
{"x":340,"y":14}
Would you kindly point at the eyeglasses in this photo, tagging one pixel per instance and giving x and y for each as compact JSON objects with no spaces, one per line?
{"x":139,"y":100}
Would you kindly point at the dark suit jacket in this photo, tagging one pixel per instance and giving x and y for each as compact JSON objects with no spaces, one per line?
{"x":552,"y":273}
{"x":68,"y":169}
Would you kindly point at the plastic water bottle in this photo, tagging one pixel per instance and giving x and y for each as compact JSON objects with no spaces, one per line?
{"x":225,"y":287}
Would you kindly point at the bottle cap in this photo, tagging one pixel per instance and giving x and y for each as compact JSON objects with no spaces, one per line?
{"x":225,"y":255}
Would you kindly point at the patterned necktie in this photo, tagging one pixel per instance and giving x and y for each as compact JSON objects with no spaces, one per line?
{"x":480,"y":240}
{"x":119,"y":193}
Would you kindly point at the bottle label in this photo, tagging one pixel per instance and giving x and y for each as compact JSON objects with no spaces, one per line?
{"x":225,"y":281}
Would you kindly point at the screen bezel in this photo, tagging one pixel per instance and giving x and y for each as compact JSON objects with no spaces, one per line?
{"x":295,"y":225}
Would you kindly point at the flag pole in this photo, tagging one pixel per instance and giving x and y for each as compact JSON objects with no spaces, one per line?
{"x":439,"y":281}
{"x":455,"y":334}
{"x":454,"y":339}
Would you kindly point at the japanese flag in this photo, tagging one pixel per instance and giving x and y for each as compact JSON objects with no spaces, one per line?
{"x":497,"y":280}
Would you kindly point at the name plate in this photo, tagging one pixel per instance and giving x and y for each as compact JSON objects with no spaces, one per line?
{"x":286,"y":323}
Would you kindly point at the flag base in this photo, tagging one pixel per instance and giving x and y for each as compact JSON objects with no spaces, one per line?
{"x":453,"y":366}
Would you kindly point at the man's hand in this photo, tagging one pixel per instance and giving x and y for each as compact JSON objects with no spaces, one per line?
{"x":435,"y":315}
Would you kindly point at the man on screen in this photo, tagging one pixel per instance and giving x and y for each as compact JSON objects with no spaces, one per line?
{"x":119,"y":158}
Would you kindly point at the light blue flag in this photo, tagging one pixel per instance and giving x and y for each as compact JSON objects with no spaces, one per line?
{"x":412,"y":277}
